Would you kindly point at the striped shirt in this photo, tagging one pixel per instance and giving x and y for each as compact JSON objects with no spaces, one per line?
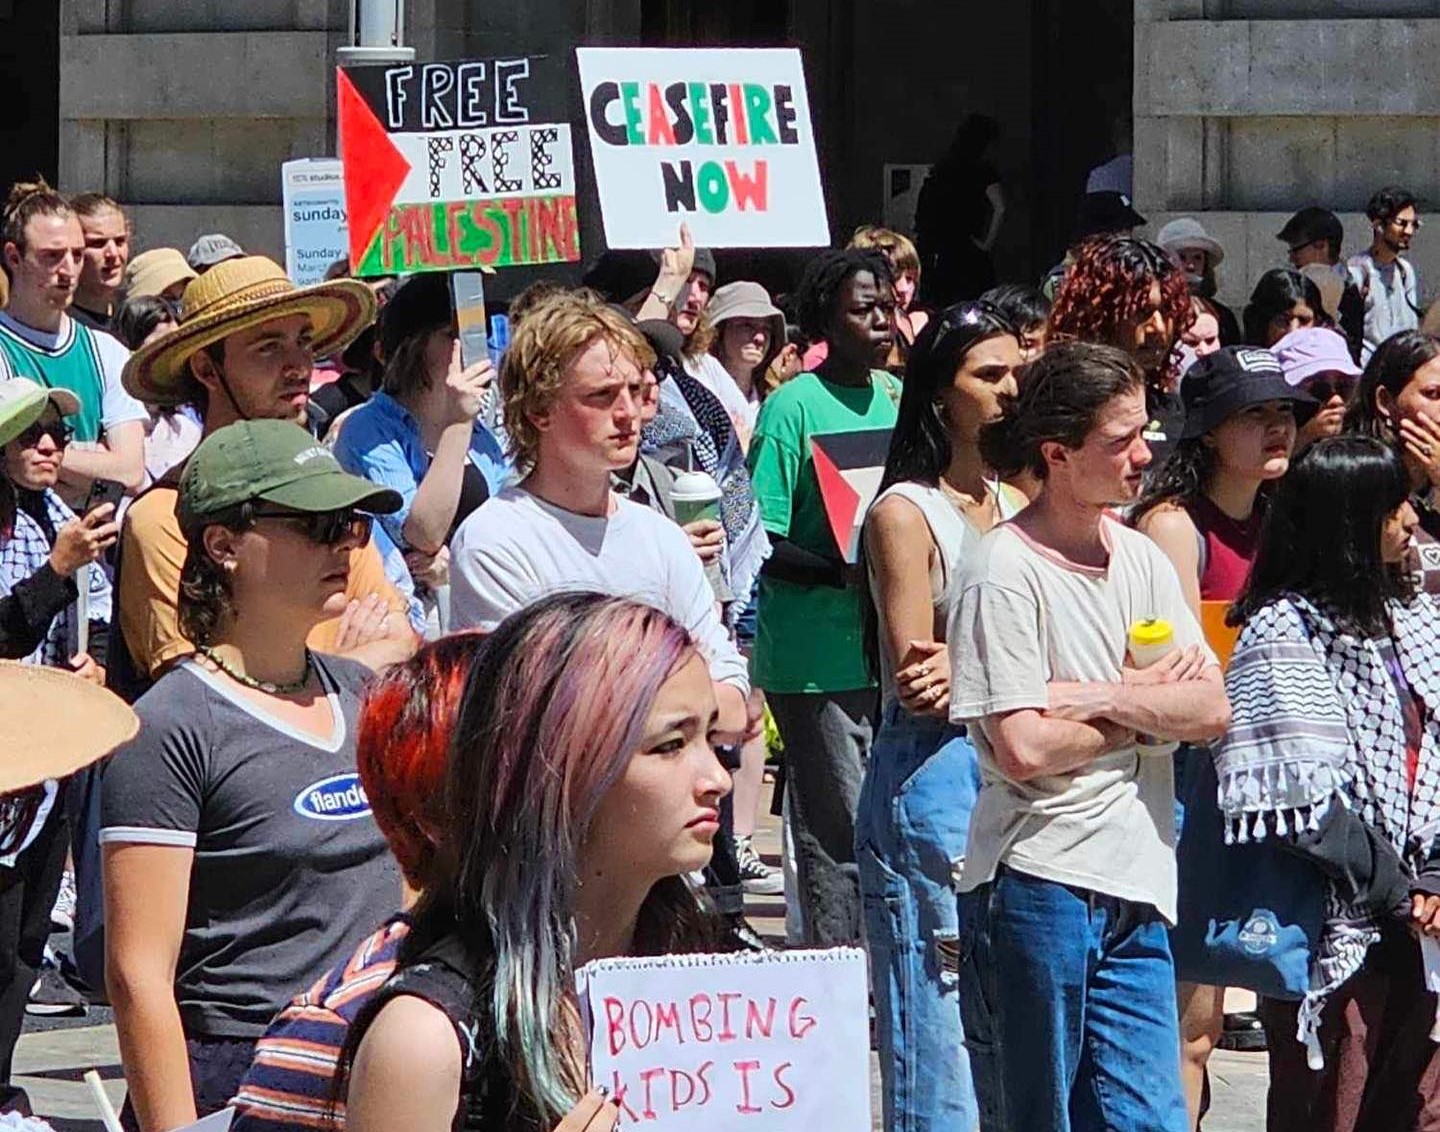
{"x":290,"y":1082}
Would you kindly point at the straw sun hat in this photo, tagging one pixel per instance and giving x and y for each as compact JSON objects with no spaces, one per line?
{"x":237,"y":295}
{"x":53,"y":723}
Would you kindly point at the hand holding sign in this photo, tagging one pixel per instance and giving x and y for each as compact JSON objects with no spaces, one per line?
{"x":709,"y":1043}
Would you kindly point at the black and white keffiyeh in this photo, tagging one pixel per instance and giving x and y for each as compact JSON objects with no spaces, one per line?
{"x":1317,"y":721}
{"x":691,"y":414}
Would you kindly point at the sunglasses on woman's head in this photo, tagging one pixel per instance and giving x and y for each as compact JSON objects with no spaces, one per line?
{"x":326,"y":527}
{"x":58,"y":431}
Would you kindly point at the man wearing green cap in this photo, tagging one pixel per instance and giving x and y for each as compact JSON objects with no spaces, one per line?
{"x":244,"y":351}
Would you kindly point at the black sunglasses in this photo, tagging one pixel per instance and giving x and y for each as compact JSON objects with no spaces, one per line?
{"x":326,"y":527}
{"x":1323,"y":388}
{"x":59,"y":432}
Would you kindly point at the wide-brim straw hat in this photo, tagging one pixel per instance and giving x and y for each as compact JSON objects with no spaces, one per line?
{"x":234,"y":296}
{"x":54,"y":723}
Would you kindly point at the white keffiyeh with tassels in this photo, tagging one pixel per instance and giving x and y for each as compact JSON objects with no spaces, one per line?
{"x":1317,"y":721}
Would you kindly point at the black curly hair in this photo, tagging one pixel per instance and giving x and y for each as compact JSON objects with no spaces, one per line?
{"x":821,"y":282}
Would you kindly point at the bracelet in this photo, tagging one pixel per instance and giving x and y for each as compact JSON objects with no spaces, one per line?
{"x":669,"y":302}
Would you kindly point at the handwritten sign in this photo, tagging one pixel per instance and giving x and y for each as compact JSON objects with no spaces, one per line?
{"x":312,"y":193}
{"x":454,"y":166}
{"x":718,"y":138}
{"x":715,"y":1043}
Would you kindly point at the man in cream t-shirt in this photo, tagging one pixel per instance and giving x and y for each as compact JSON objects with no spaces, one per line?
{"x":1067,"y":986}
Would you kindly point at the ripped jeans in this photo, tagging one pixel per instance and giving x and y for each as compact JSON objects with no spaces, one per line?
{"x":913,"y":819}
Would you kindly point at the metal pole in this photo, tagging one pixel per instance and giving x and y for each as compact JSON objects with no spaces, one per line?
{"x":377,"y":34}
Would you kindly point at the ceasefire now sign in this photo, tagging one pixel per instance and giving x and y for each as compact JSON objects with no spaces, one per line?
{"x":720,"y":139}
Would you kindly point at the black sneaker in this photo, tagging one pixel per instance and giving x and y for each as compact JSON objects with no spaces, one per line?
{"x":758,"y":878}
{"x":53,"y":997}
{"x":744,"y":936}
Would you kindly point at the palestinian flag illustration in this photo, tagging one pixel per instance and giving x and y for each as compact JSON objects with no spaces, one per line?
{"x":848,"y":467}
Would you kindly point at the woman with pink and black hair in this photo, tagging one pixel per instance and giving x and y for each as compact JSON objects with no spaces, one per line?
{"x":582,"y":788}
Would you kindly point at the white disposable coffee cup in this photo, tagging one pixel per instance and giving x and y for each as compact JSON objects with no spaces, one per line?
{"x":695,"y":496}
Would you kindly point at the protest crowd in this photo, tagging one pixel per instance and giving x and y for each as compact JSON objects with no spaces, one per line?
{"x":1116,"y":699}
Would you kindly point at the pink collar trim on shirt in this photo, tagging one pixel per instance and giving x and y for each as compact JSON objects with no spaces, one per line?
{"x":1059,"y":559}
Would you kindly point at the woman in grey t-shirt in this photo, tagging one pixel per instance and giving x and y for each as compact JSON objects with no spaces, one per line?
{"x":241,"y":859}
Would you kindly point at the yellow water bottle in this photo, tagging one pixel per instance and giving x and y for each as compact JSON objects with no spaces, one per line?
{"x":1151,"y":641}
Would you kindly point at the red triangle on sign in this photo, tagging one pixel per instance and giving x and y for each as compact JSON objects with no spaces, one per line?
{"x":374,"y":169}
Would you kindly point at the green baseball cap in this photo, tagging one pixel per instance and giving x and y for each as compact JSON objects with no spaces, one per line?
{"x":276,"y":461}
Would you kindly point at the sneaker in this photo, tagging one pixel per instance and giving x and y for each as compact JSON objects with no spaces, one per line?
{"x":62,"y":916}
{"x":53,"y":997}
{"x":743,"y":935}
{"x":758,"y":878}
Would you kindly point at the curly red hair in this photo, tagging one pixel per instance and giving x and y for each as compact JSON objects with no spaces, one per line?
{"x":402,"y":748}
{"x":1107,"y":291}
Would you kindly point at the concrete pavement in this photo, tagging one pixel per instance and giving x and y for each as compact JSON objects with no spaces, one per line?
{"x":49,"y":1062}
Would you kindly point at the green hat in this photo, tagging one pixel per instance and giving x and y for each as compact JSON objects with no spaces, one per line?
{"x":276,"y":461}
{"x":22,"y":403}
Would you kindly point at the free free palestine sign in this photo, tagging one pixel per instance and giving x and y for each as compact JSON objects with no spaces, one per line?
{"x":719,"y":139}
{"x":455,"y":166}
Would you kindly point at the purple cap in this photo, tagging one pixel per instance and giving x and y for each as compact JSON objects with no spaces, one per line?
{"x":1314,"y":349}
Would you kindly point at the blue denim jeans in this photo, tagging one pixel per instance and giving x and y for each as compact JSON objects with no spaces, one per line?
{"x":1069,"y":1004}
{"x":913,"y":818}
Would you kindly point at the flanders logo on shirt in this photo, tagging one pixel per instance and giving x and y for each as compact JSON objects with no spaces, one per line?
{"x":337,"y":798}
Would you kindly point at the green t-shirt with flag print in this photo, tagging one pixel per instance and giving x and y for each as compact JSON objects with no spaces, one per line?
{"x":808,"y":638}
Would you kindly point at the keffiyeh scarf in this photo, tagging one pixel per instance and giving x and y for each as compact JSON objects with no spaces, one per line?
{"x":690,"y":413}
{"x":1317,"y":721}
{"x":26,"y":550}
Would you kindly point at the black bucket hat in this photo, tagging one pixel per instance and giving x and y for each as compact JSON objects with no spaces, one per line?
{"x":1222,"y":384}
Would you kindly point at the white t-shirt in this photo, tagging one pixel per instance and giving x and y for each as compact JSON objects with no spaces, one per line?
{"x":743,"y":411}
{"x":515,"y":549}
{"x":1026,"y":617}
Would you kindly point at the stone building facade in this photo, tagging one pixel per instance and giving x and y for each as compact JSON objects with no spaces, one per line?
{"x":1247,"y":110}
{"x":1243,"y":109}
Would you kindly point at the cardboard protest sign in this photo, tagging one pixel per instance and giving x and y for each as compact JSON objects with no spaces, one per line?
{"x":312,"y":193}
{"x":848,"y":468}
{"x":712,"y":1043}
{"x":455,"y":166}
{"x":718,"y":138}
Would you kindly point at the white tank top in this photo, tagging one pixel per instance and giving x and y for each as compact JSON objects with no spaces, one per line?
{"x":954,"y":537}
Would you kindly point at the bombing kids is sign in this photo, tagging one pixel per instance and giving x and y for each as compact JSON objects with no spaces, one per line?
{"x":720,"y":139}
{"x":714,"y":1043}
{"x":455,"y":166}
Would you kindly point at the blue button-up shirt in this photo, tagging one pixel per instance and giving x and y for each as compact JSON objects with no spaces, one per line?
{"x":380,"y":440}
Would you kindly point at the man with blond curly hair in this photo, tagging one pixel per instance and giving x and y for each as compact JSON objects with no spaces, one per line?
{"x":574,"y":384}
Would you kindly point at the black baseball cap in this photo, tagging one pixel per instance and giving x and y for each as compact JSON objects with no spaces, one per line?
{"x":1222,"y":384}
{"x":1102,"y":213}
{"x":1311,"y":224}
{"x":419,"y":305}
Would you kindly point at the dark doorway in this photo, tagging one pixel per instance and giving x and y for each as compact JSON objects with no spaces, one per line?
{"x":736,"y":23}
{"x":30,"y":77}
{"x":1084,"y":88}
